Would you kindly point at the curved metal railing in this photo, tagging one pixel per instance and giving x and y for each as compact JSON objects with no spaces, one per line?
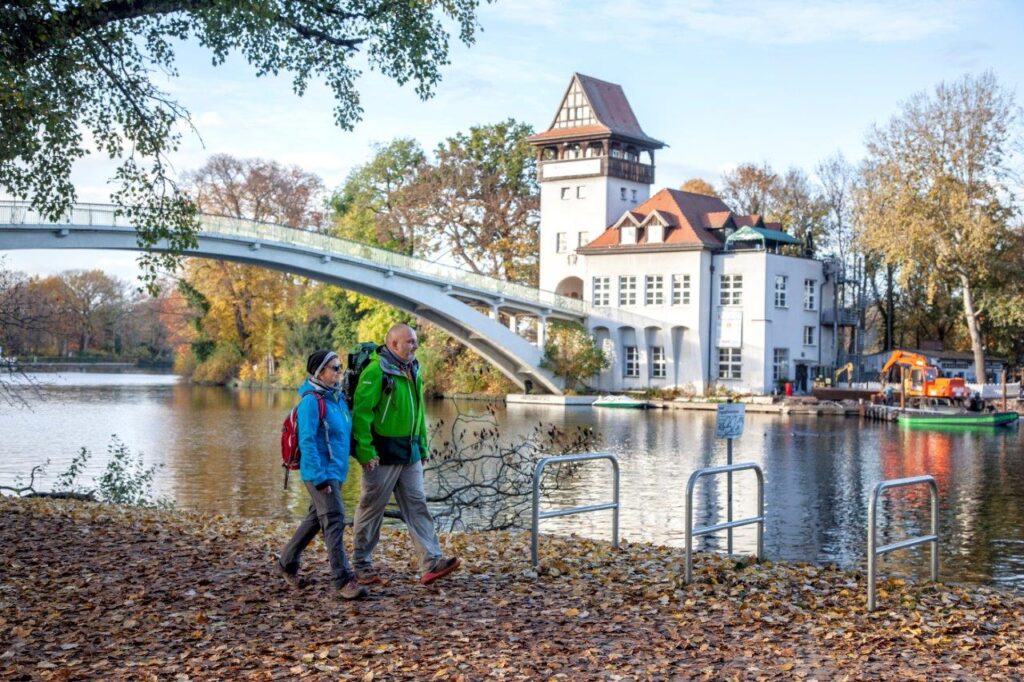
{"x":21,"y":213}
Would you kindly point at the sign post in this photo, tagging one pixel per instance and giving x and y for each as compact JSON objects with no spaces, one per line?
{"x":729,"y":425}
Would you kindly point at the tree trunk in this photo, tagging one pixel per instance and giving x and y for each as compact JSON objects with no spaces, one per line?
{"x":890,"y":305}
{"x":972,"y":327}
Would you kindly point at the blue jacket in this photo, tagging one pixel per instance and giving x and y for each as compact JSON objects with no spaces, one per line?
{"x":315,"y":464}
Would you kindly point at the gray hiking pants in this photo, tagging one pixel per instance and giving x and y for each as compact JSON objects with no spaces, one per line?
{"x":406,"y":482}
{"x":326,"y":513}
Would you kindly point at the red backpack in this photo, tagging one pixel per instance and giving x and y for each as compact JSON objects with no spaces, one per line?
{"x":290,"y":452}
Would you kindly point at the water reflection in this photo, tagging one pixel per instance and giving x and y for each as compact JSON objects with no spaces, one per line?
{"x":220,"y":451}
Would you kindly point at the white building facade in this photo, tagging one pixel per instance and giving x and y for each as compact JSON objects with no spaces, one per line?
{"x":713,"y":300}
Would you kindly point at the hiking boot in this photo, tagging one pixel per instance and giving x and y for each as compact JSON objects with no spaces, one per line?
{"x":292,"y":579}
{"x":353,"y":590}
{"x":443,"y":567}
{"x":369,"y":576}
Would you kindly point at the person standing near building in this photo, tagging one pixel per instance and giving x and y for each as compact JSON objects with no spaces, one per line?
{"x":390,"y":430}
{"x":324,"y":445}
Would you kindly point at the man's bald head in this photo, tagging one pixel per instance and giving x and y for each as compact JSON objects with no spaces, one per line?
{"x":401,"y":340}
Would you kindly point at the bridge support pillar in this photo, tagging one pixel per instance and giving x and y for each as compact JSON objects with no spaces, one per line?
{"x":542,"y":331}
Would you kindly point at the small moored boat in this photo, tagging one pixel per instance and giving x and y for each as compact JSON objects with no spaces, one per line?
{"x":939,"y":419}
{"x":621,"y":402}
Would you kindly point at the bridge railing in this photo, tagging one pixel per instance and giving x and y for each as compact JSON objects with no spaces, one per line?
{"x":19,"y":213}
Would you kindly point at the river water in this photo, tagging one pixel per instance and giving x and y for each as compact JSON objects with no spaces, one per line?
{"x":219,"y":451}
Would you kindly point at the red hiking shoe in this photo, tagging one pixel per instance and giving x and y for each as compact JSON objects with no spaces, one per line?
{"x":441,"y":569}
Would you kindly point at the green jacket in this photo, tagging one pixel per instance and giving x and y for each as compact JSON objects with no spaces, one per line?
{"x":389,"y":424}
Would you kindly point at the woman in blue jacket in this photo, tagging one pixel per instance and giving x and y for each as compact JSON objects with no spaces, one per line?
{"x":324,"y":447}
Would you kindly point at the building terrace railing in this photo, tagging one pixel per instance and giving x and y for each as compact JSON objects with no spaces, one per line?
{"x":19,"y":213}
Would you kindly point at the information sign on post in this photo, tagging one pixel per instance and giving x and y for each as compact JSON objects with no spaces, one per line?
{"x":730,"y":420}
{"x":729,"y":425}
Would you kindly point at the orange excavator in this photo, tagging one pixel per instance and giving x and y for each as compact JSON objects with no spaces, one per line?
{"x":922,"y":382}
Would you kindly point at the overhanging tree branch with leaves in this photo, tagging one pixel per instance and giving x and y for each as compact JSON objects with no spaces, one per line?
{"x":76,"y":77}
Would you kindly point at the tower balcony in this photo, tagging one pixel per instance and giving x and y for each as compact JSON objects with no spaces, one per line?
{"x":625,"y":169}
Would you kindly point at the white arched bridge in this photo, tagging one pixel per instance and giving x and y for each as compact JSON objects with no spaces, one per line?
{"x":468,"y":306}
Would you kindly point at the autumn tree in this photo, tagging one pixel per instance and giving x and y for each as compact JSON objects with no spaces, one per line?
{"x":242,"y":309}
{"x":256,"y":189}
{"x":750,"y":188}
{"x":383,"y":201}
{"x":699,"y":186}
{"x":573,"y":354}
{"x":76,"y":78}
{"x":93,"y":301}
{"x":936,"y":201}
{"x":485,"y":201}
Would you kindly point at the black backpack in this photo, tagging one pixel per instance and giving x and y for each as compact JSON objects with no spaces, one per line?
{"x":358,"y":359}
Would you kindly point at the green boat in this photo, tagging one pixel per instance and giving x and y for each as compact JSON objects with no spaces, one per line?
{"x":939,"y":419}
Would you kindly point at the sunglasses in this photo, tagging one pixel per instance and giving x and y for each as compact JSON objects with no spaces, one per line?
{"x":336,"y":368}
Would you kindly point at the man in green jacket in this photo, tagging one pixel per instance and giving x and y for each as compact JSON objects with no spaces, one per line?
{"x":390,"y":431}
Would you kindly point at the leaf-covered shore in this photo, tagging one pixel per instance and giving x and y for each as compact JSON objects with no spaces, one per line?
{"x":91,"y":591}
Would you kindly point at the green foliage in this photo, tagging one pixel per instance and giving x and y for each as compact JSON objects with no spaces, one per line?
{"x":381,"y":201}
{"x":571,"y":353}
{"x":221,"y":366}
{"x":126,"y":480}
{"x":484,"y":201}
{"x":77,"y":75}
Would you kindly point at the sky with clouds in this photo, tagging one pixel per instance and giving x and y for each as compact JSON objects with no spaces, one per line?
{"x":721,"y":82}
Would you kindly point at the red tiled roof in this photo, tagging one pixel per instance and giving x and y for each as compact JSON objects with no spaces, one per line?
{"x":717,"y":219}
{"x":567,"y":133}
{"x":687,"y":210}
{"x":611,"y":109}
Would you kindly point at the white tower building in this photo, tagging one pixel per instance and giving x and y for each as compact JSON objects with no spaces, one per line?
{"x":591,"y":170}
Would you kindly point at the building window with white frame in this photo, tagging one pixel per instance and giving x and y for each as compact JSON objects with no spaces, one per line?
{"x":781,"y":282}
{"x":633,"y":199}
{"x":809,"y":333}
{"x":654,"y":290}
{"x":680,"y":290}
{"x":602,"y":291}
{"x":627,"y":235}
{"x":581,"y":191}
{"x":631,"y":362}
{"x":730,"y":291}
{"x":809,"y":294}
{"x":622,"y":193}
{"x":780,"y":365}
{"x":658,"y":367}
{"x":729,"y":363}
{"x":581,"y":239}
{"x":561,"y":242}
{"x":627,"y":290}
{"x":566,"y":193}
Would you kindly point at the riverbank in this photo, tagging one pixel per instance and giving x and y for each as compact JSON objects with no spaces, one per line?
{"x":96,"y":592}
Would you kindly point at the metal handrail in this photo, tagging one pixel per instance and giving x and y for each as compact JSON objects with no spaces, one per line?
{"x":691,"y":532}
{"x":538,"y":515}
{"x":21,"y":213}
{"x":933,"y":537}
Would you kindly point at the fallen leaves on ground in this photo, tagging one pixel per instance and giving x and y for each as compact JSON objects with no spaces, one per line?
{"x":91,"y":591}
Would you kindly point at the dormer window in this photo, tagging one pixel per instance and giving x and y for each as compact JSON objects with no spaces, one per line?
{"x":627,"y":234}
{"x":655,"y":233}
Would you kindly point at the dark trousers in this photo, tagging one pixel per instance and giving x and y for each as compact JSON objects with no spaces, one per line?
{"x":327,"y":514}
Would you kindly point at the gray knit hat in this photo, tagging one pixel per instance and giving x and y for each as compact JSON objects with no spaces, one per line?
{"x":318,"y":359}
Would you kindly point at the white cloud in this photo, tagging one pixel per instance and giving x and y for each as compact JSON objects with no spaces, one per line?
{"x":744,"y":22}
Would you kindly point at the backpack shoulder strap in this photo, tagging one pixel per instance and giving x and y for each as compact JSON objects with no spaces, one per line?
{"x":320,"y":403}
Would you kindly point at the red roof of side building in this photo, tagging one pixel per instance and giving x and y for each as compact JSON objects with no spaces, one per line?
{"x":687,"y":210}
{"x":694,"y":220}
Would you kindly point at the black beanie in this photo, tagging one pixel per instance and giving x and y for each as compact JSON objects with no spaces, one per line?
{"x":318,"y":359}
